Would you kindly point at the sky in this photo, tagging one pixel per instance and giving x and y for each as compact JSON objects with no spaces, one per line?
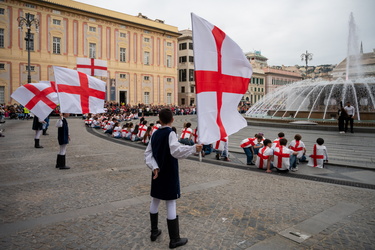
{"x":281,"y":29}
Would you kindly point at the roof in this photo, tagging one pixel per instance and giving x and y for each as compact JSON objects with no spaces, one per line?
{"x":121,"y":17}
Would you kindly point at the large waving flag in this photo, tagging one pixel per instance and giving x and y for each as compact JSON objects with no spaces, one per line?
{"x":91,"y":66}
{"x":222,"y":75}
{"x":78,"y":92}
{"x":40,"y":98}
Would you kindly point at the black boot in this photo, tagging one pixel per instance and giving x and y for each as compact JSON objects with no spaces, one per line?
{"x":155,"y":232}
{"x":62,"y":163}
{"x":45,"y":132}
{"x":174,"y":234}
{"x":58,"y":161}
{"x":37,"y":144}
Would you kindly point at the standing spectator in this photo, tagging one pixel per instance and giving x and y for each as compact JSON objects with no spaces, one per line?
{"x":343,"y":116}
{"x":351,"y":112}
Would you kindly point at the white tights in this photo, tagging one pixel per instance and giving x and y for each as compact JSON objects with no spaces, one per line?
{"x":38,"y":133}
{"x":170,"y":204}
{"x":63,"y":149}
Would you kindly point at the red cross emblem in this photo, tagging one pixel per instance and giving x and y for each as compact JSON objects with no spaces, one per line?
{"x":140,"y":129}
{"x":84,"y":91}
{"x":40,"y":96}
{"x":280,"y":156}
{"x":315,"y":156}
{"x":296,"y":148}
{"x":184,"y":132}
{"x":262,"y":156}
{"x":92,"y":66}
{"x":212,"y":81}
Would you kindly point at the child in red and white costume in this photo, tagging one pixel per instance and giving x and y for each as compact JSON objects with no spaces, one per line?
{"x":186,"y":135}
{"x":116,"y":130}
{"x":275,"y":142}
{"x":281,"y":156}
{"x":297,"y":146}
{"x":319,"y":155}
{"x":265,"y":156}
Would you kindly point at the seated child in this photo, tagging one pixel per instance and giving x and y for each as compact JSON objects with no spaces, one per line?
{"x":281,"y":156}
{"x":319,"y":155}
{"x":265,"y":156}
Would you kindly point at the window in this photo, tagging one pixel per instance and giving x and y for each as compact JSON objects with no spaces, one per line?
{"x":182,"y":46}
{"x":122,"y":34}
{"x":182,"y":59}
{"x":182,"y":75}
{"x":146,"y":97}
{"x":92,"y":29}
{"x":29,"y":5}
{"x":191,"y":58}
{"x":146,"y":78}
{"x":169,"y":44}
{"x":169,"y":79}
{"x":2,"y":67}
{"x":2,"y":38}
{"x":56,"y":45}
{"x":123,"y":76}
{"x":191,"y":75}
{"x":57,"y":12}
{"x":31,"y":16}
{"x":2,"y":94}
{"x":122,"y":26}
{"x":191,"y":46}
{"x":192,"y":89}
{"x":56,"y":21}
{"x":169,"y":61}
{"x":146,"y":57}
{"x":147,"y":32}
{"x":146,"y":40}
{"x":182,"y":89}
{"x":168,"y":36}
{"x":169,"y":98}
{"x":182,"y":101}
{"x":2,"y":11}
{"x":32,"y":68}
{"x":31,"y":42}
{"x":192,"y":101}
{"x":122,"y":54}
{"x":92,"y":50}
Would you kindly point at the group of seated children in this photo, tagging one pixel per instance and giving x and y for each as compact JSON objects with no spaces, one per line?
{"x":277,"y":154}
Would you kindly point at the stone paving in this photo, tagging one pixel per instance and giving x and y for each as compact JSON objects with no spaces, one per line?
{"x":102,"y":201}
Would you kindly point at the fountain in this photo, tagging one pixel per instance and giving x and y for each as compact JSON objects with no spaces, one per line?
{"x":319,"y":100}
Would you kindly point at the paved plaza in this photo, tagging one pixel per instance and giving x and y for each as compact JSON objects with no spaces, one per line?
{"x":102,"y":202}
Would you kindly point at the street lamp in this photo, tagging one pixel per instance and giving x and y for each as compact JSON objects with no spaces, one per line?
{"x":28,"y":22}
{"x":306,"y":57}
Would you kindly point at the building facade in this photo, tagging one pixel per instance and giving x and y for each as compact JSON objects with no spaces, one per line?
{"x":186,"y":83}
{"x":278,"y":77}
{"x":141,"y":53}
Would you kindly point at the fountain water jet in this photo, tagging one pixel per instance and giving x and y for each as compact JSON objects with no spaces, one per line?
{"x":315,"y":99}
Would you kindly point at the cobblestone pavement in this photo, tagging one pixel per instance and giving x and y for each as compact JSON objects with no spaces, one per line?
{"x":102,"y":201}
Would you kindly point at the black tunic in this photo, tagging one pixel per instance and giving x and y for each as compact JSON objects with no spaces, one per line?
{"x":36,"y":124}
{"x":167,"y":185}
{"x":63,"y":133}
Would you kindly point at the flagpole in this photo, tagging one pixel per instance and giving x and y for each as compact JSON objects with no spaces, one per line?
{"x":196,"y":99}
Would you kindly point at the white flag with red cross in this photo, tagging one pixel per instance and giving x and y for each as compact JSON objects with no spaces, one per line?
{"x":78,"y":92}
{"x":92,"y":67}
{"x":40,"y":98}
{"x":222,"y":75}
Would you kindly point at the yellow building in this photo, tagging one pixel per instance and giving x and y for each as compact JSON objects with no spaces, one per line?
{"x":141,"y":53}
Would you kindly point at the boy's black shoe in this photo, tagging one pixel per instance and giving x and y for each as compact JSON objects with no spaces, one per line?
{"x":155,"y":232}
{"x":174,"y":234}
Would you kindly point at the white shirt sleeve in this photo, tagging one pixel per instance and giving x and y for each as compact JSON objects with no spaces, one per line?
{"x":59,"y":123}
{"x":178,"y":150}
{"x":149,"y":158}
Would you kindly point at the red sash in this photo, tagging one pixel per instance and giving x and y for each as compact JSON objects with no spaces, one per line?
{"x":184,"y":132}
{"x":249,"y":142}
{"x":296,"y":148}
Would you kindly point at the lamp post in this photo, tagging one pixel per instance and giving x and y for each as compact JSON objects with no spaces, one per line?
{"x":28,"y":22}
{"x":306,"y":57}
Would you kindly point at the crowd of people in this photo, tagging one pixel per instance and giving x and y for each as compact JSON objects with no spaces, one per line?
{"x":262,"y":152}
